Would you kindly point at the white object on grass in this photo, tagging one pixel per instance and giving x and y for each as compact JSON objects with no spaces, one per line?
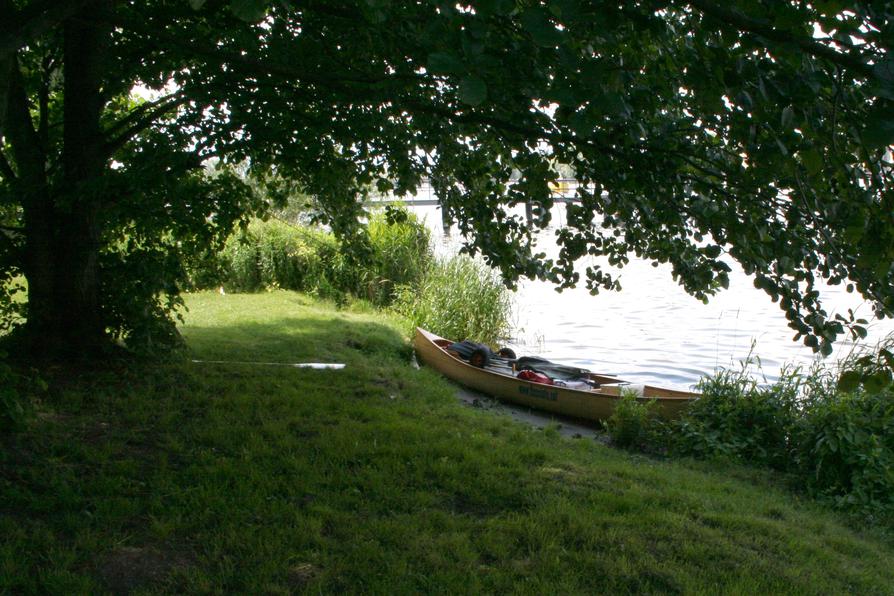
{"x":315,"y":365}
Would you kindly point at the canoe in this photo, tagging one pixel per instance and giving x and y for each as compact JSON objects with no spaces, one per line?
{"x":595,"y":403}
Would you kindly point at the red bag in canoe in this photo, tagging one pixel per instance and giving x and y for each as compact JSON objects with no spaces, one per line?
{"x":534,"y":377}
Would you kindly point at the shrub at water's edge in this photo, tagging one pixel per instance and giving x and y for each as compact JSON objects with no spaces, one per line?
{"x":400,"y":255}
{"x":459,"y":298}
{"x":845,"y":445}
{"x":738,"y":418}
{"x":634,"y":424}
{"x":836,"y":444}
{"x":274,"y":254}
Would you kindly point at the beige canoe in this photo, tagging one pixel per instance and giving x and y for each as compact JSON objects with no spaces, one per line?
{"x":592,"y":404}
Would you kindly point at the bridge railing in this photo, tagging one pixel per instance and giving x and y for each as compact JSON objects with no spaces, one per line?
{"x":564,"y":190}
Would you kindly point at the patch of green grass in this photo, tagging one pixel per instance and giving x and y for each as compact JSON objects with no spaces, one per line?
{"x":249,"y":478}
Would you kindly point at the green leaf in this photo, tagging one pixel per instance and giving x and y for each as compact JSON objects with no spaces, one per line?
{"x":884,"y":78}
{"x":879,"y":127}
{"x":613,"y":104}
{"x":472,"y":46}
{"x":812,"y":160}
{"x":888,"y":357}
{"x":878,"y":381}
{"x":582,"y":124}
{"x":498,"y":7}
{"x":712,"y":251}
{"x":536,"y":22}
{"x":472,"y":91}
{"x":849,"y":381}
{"x":562,"y":95}
{"x":444,"y":64}
{"x":196,"y":4}
{"x":788,"y":116}
{"x":250,"y":11}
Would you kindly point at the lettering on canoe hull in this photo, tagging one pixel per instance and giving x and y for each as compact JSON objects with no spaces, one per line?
{"x":538,"y":392}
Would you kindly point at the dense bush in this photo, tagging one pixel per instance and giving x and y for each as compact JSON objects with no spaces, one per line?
{"x":459,"y":298}
{"x":847,"y":449}
{"x":275,"y":254}
{"x":839,"y":442}
{"x":634,"y":424}
{"x":736,"y":417}
{"x":401,"y":254}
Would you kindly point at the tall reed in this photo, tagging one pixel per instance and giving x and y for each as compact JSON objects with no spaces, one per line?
{"x":459,"y":298}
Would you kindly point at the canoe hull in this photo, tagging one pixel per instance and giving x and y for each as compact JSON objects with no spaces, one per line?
{"x":588,"y":405}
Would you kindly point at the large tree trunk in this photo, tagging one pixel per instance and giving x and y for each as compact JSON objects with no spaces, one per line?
{"x":77,"y":305}
{"x":62,"y":227}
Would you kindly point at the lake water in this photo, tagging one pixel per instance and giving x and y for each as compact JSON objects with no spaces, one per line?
{"x":652,"y":331}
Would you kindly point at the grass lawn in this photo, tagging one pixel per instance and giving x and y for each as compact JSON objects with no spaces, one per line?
{"x":248,"y":478}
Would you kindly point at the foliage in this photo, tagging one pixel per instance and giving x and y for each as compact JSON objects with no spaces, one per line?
{"x":836,"y":444}
{"x":846,"y":437}
{"x":634,"y":424}
{"x":395,"y":250}
{"x":872,"y":371}
{"x":846,"y":449}
{"x":459,"y":298}
{"x":401,"y":254}
{"x":739,"y":418}
{"x":12,"y":307}
{"x":274,"y":254}
{"x":700,"y":132}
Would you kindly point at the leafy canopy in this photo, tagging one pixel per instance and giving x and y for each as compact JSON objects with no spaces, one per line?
{"x":700,"y":131}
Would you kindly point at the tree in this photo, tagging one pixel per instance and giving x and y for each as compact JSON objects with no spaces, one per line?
{"x":700,"y":131}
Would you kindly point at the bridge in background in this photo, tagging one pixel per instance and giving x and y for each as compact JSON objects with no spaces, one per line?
{"x":564,"y":190}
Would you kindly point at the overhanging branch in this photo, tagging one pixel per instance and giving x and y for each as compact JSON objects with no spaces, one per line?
{"x":139,"y":121}
{"x":6,"y":168}
{"x":37,"y":18}
{"x":743,"y":22}
{"x":220,"y":55}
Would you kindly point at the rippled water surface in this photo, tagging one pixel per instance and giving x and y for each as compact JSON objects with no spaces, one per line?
{"x":652,"y":331}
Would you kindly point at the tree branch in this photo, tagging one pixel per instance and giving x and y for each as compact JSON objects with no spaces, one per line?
{"x":141,"y":119}
{"x":219,"y":55}
{"x":138,"y":112}
{"x":515,"y":127}
{"x":6,"y":169}
{"x":22,"y":26}
{"x":743,"y":22}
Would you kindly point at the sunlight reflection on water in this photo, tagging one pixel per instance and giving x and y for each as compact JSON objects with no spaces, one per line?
{"x":652,"y":331}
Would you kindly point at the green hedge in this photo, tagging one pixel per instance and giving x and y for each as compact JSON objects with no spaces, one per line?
{"x":273,"y":254}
